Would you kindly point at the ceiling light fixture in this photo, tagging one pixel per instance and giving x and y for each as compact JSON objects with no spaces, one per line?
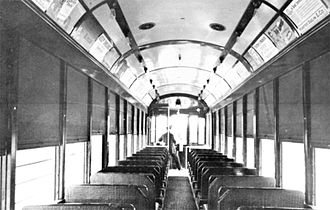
{"x":140,"y":58}
{"x":178,"y":102}
{"x":217,"y":27}
{"x":147,"y":26}
{"x":221,"y":58}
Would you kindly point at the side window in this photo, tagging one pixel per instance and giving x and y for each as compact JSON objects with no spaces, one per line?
{"x":268,"y":158}
{"x":74,"y":163}
{"x":250,"y":152}
{"x":322,"y":174}
{"x":30,"y":180}
{"x":293,"y":166}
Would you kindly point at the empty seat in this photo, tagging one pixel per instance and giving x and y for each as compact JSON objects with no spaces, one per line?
{"x":230,"y":198}
{"x":98,"y":193}
{"x":233,"y":181}
{"x":203,"y":183}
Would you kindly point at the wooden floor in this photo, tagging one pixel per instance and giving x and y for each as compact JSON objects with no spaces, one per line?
{"x":178,"y":194}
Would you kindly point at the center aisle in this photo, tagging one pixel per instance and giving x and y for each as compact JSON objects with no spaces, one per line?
{"x":178,"y":193}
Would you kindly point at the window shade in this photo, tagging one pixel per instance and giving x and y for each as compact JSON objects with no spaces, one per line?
{"x":77,"y":99}
{"x":239,"y":109}
{"x":266,"y":111}
{"x":229,"y":119}
{"x":320,"y":101}
{"x":38,"y":97}
{"x":291,"y":116}
{"x":122,"y":117}
{"x":138,"y":121}
{"x":222,"y":121}
{"x":112,"y":112}
{"x":135,"y":120}
{"x":98,"y":113}
{"x":129,"y":119}
{"x":250,"y":114}
{"x":217,"y":125}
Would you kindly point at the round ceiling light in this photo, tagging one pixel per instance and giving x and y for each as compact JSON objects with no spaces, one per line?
{"x":147,"y":26}
{"x":217,"y":27}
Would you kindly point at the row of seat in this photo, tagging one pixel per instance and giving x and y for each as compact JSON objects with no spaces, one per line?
{"x":221,"y":183}
{"x":136,"y":183}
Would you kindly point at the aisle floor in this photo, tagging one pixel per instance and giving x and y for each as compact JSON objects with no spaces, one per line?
{"x":179,"y":195}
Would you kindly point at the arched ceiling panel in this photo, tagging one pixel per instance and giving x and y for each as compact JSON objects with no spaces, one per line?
{"x":107,"y":20}
{"x":182,"y":19}
{"x":218,"y":86}
{"x":262,"y":16}
{"x":193,"y":55}
{"x":175,"y":75}
{"x":180,"y":88}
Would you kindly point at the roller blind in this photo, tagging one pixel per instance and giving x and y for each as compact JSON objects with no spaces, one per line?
{"x":98,"y":113}
{"x":112,"y":113}
{"x":122,"y":117}
{"x":144,"y":123}
{"x":77,"y":99}
{"x":134,"y":120}
{"x":291,"y":116}
{"x":266,"y":111}
{"x":320,"y":101}
{"x":217,"y":125}
{"x":129,"y":119}
{"x":239,"y":109}
{"x":222,"y":121}
{"x":229,"y":119}
{"x":38,"y":97}
{"x":138,"y":121}
{"x":249,"y":114}
{"x":213,"y":125}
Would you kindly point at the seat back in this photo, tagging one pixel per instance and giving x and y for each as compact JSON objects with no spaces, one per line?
{"x":80,"y":206}
{"x":233,"y":181}
{"x":203,"y":183}
{"x":230,"y":198}
{"x":146,"y":179}
{"x":269,"y":208}
{"x":137,"y":195}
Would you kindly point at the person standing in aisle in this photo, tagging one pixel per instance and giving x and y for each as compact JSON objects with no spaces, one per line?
{"x":172,"y":147}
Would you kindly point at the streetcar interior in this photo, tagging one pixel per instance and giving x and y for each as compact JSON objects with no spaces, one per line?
{"x":87,"y":84}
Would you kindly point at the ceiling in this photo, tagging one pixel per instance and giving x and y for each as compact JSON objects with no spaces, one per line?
{"x":202,"y":48}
